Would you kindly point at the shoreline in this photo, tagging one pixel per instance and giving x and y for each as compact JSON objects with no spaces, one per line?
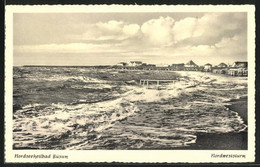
{"x":239,"y":106}
{"x":224,"y":141}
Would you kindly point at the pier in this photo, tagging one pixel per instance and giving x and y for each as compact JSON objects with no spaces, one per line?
{"x":145,"y":82}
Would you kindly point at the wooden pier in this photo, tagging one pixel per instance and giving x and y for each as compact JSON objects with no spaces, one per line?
{"x":145,"y":82}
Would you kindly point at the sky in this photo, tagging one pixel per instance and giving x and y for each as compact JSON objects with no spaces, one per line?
{"x":108,"y":38}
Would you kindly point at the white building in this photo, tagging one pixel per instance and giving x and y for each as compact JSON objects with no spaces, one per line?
{"x":207,"y":67}
{"x":135,"y":63}
{"x":121,"y":64}
{"x":162,"y":65}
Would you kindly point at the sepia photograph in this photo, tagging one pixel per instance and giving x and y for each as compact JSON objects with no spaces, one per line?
{"x":131,"y":80}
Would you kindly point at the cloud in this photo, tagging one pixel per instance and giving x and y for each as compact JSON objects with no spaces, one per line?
{"x":233,"y":46}
{"x":111,"y":26}
{"x":165,"y":31}
{"x":210,"y":28}
{"x":131,"y":30}
{"x":158,"y":31}
{"x":185,"y":28}
{"x":111,"y":30}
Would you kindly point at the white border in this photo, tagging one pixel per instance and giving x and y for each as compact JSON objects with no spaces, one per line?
{"x":195,"y":156}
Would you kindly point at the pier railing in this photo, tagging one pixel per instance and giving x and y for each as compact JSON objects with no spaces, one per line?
{"x":145,"y":82}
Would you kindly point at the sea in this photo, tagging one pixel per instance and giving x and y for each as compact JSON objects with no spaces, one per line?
{"x":77,"y":108}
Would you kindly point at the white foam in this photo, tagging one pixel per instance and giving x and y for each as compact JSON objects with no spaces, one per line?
{"x":64,"y":117}
{"x":57,"y":77}
{"x":211,"y":77}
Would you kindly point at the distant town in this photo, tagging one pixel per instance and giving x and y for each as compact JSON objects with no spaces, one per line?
{"x":238,"y":68}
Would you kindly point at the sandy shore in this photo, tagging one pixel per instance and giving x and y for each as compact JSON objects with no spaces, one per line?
{"x":224,"y":141}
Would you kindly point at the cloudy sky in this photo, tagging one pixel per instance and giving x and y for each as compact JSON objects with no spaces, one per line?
{"x":109,"y":38}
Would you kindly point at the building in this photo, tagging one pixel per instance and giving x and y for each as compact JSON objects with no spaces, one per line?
{"x":121,"y":64}
{"x":238,"y":69}
{"x":149,"y":67}
{"x":219,"y":70}
{"x":222,"y":65}
{"x":191,"y":66}
{"x":146,"y":66}
{"x":222,"y":68}
{"x":177,"y":67}
{"x":239,"y":64}
{"x":135,"y":63}
{"x":162,"y":65}
{"x":207,"y":67}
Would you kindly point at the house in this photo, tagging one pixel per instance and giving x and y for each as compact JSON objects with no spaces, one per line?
{"x":239,"y":64}
{"x":219,"y":70}
{"x":150,"y":67}
{"x":162,"y":65}
{"x":207,"y":67}
{"x":135,"y":63}
{"x":121,"y":64}
{"x":177,"y":66}
{"x":222,"y":65}
{"x":222,"y":68}
{"x":191,"y":66}
{"x":237,"y":72}
{"x":238,"y":69}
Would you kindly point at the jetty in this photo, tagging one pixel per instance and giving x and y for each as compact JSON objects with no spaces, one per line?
{"x":145,"y":82}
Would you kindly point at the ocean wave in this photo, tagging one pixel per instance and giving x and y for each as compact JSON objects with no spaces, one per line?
{"x":60,"y":120}
{"x":63,"y":78}
{"x":210,"y":77}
